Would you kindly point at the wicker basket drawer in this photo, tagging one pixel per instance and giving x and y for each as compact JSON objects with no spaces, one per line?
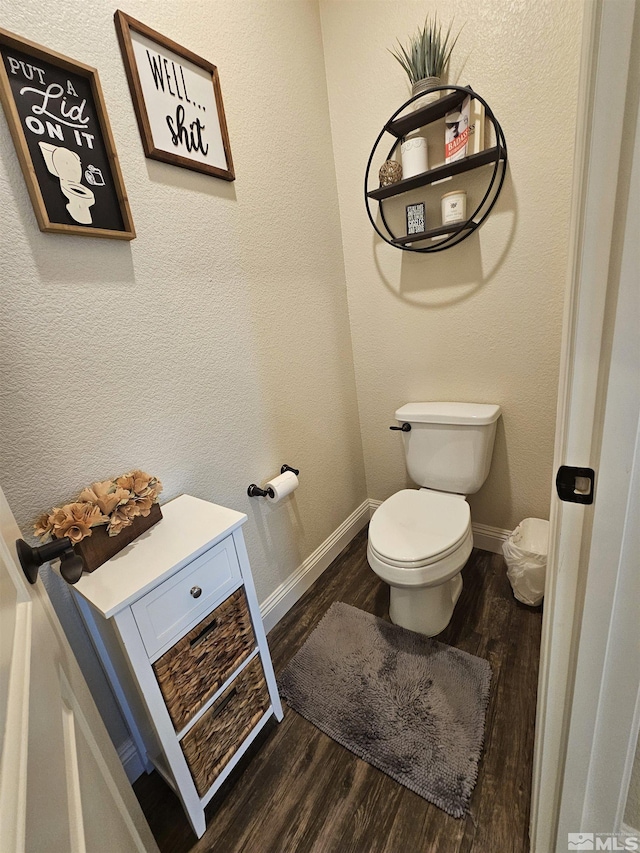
{"x":199,"y":663}
{"x":214,"y":739}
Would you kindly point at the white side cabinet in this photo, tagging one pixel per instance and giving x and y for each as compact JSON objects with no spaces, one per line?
{"x":175,"y":620}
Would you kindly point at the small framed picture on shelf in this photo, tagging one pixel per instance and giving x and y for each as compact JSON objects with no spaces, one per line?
{"x":415,"y":218}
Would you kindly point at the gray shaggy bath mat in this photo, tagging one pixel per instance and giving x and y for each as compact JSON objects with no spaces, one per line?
{"x":409,"y":705}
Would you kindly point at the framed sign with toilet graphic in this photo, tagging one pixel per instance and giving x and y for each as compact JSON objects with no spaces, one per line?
{"x":59,"y":125}
{"x":177,"y":100}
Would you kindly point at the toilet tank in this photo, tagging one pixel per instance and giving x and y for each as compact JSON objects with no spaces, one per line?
{"x":449,"y":446}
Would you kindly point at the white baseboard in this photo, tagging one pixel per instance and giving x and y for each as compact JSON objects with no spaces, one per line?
{"x":130,"y":759}
{"x":489,"y":538}
{"x":285,"y":596}
{"x":484,"y":537}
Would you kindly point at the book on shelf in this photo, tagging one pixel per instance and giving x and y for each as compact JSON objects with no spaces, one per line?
{"x":456,"y":132}
{"x":476,"y":127}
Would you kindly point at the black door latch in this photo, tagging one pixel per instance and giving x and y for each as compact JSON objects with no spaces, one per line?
{"x":575,"y":485}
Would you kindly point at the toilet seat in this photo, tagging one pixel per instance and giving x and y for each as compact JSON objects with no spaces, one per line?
{"x":417,"y":527}
{"x":433,"y":528}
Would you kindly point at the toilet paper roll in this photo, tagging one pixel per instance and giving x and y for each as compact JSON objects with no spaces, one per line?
{"x":282,"y":486}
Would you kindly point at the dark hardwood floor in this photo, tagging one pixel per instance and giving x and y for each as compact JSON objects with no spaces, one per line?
{"x":299,"y":791}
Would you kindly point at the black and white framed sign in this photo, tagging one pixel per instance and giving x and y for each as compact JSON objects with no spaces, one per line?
{"x":415,"y":218}
{"x":177,"y":100}
{"x":59,"y":125}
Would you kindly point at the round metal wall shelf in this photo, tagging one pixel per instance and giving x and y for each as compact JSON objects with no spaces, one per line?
{"x":398,"y":127}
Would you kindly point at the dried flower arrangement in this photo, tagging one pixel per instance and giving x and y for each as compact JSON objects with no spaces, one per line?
{"x":116,"y":503}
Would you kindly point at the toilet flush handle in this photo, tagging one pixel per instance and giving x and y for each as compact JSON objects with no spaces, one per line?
{"x":404,"y":428}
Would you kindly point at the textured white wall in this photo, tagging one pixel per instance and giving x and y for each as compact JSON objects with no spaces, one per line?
{"x":216,"y":345}
{"x":481,"y":322}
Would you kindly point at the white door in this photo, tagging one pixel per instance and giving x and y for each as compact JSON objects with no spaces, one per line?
{"x":588,"y":697}
{"x":62,"y":787}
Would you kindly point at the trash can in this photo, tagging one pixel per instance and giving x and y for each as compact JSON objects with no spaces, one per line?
{"x":525,"y":552}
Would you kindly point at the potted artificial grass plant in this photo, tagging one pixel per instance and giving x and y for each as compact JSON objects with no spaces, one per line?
{"x":426,"y":56}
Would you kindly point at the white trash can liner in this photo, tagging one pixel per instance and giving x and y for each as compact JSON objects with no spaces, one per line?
{"x":525,"y":552}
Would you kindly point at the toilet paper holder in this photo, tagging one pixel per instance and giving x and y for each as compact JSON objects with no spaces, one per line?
{"x":256,"y":492}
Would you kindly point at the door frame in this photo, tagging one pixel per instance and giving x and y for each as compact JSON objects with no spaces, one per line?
{"x":572,"y":689}
{"x":15,"y":682}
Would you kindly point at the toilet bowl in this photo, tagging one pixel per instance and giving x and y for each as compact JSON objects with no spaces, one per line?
{"x":419,"y":540}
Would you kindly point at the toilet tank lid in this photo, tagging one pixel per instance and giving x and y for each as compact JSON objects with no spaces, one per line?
{"x":449,"y":413}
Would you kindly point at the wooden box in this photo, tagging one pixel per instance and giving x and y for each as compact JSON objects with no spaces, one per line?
{"x":100,"y":547}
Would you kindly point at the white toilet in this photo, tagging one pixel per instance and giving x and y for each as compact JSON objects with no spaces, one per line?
{"x":420,"y":539}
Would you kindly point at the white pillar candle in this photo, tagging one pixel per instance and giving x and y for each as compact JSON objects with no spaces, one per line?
{"x":415,"y":158}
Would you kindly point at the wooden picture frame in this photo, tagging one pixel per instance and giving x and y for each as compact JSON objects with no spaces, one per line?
{"x":59,"y":125}
{"x":177,"y":100}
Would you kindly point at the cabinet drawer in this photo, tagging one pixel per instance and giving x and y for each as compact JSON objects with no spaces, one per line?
{"x":192,"y":670}
{"x":167,"y":610}
{"x":214,"y":739}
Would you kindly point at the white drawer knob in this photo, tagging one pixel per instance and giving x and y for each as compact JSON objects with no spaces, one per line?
{"x":195,"y":591}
